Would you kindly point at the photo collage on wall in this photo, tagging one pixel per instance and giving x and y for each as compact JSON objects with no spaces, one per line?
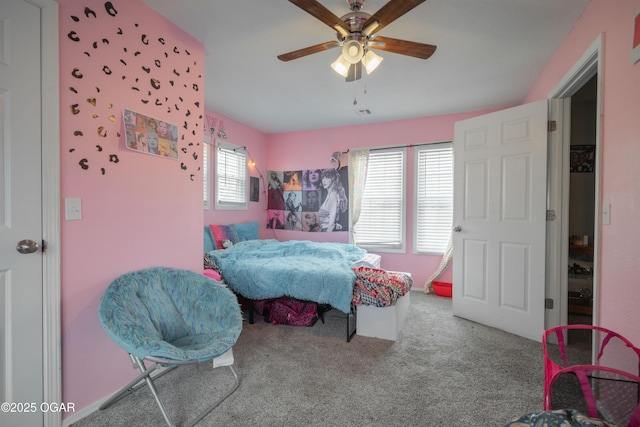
{"x":312,"y":200}
{"x":151,"y":136}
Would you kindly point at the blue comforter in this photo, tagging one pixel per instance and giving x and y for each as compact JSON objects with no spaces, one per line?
{"x":319,"y":272}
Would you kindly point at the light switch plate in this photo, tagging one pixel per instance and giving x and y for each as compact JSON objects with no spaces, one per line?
{"x":72,"y":209}
{"x":606,"y":214}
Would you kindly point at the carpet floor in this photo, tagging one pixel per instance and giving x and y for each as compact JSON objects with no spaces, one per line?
{"x":442,"y":371}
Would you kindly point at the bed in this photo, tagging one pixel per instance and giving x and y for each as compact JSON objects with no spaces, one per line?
{"x":305,"y":270}
{"x":325,"y":273}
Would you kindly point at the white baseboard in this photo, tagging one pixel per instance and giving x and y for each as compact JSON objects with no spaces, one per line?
{"x":84,"y":412}
{"x":95,"y":406}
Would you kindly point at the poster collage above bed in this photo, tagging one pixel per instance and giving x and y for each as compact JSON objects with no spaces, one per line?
{"x":313,"y":200}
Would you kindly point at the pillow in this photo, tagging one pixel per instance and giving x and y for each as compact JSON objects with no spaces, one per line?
{"x":247,"y":230}
{"x":223,"y":232}
{"x":212,"y":274}
{"x":209,"y":244}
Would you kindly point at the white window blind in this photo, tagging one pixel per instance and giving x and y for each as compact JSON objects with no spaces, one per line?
{"x":381,"y":224}
{"x":206,"y":175}
{"x":231,"y":176}
{"x":434,"y":198}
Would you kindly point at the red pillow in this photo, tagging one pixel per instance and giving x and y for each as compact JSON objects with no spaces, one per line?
{"x":212,"y":274}
{"x":223,"y":232}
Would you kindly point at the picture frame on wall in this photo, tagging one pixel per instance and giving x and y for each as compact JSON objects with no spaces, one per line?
{"x":635,"y":44}
{"x":149,"y":135}
{"x":582,"y":158}
{"x":254,"y":186}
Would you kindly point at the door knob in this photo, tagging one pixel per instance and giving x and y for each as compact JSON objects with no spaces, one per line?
{"x":27,"y":246}
{"x":457,"y":229}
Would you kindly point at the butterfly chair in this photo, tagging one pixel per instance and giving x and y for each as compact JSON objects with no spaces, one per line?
{"x":610,"y":385}
{"x":170,"y":318}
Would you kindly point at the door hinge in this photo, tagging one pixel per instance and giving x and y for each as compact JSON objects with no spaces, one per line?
{"x":548,"y":303}
{"x":551,"y":126}
{"x":551,"y":215}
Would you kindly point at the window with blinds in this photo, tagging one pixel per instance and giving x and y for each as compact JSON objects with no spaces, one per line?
{"x":381,"y":226}
{"x":231,"y":176}
{"x":433,"y":198}
{"x":206,"y":175}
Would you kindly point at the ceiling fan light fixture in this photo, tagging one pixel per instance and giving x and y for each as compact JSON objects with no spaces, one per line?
{"x":352,"y":51}
{"x":356,"y":33}
{"x":371,"y":61}
{"x":341,"y":66}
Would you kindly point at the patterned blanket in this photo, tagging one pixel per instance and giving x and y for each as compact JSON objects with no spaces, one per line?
{"x":558,"y":418}
{"x":379,"y":287}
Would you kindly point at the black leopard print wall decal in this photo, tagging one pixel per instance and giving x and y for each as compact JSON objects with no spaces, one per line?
{"x":124,"y":55}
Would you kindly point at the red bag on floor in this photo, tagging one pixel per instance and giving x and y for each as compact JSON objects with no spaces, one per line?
{"x":290,"y":311}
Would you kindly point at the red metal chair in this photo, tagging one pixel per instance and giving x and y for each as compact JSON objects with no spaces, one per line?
{"x":610,"y":384}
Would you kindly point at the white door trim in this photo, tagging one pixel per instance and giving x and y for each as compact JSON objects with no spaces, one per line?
{"x":51,"y":358}
{"x":585,"y":68}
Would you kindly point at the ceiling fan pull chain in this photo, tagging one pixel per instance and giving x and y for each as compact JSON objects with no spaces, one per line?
{"x":364,"y":78}
{"x":355,"y":89}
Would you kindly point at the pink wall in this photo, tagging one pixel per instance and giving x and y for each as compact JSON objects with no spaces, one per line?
{"x":138,"y":210}
{"x":620,"y":250}
{"x":146,"y":211}
{"x":312,"y":149}
{"x":256,"y":144}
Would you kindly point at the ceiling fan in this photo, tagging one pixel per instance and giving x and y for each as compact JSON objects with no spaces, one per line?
{"x":356,"y":34}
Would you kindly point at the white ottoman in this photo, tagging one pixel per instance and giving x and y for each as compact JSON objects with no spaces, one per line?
{"x":382,"y":322}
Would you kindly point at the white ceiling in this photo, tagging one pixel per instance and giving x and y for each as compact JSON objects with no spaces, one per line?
{"x":489,"y":54}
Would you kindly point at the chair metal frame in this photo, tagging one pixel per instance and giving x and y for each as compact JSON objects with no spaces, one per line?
{"x":145,"y":379}
{"x":552,"y":370}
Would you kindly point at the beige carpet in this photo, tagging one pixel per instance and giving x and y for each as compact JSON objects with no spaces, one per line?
{"x":442,"y":371}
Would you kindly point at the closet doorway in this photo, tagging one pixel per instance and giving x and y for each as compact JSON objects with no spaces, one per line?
{"x":582,"y":204}
{"x":574,"y":195}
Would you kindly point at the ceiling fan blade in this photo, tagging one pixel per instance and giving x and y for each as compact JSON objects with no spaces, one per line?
{"x":314,"y":8}
{"x":403,"y":47}
{"x":307,"y":51}
{"x":391,"y":11}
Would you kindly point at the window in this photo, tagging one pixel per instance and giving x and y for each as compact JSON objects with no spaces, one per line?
{"x":206,"y":171}
{"x":433,"y":198}
{"x":231,"y":176}
{"x":381,"y":226}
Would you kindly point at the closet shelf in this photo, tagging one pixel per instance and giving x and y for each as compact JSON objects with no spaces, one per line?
{"x":581,"y":249}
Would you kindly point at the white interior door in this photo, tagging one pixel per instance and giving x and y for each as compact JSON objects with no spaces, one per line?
{"x":20,"y":214}
{"x":500,"y":212}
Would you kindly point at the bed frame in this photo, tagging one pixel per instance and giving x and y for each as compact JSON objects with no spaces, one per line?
{"x":350,"y":317}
